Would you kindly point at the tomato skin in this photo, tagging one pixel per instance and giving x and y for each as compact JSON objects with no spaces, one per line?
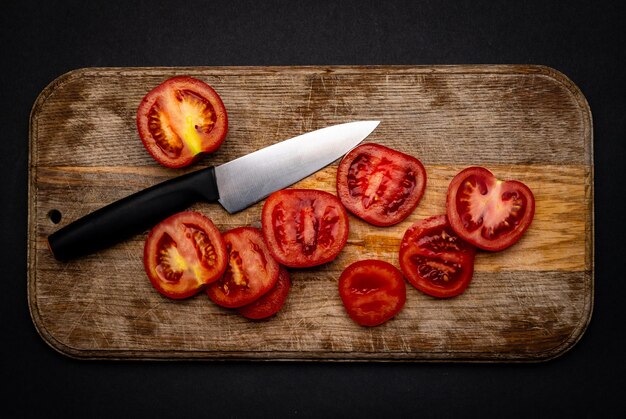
{"x":304,"y":227}
{"x":489,"y":213}
{"x":380,"y":185}
{"x":180,"y":120}
{"x":271,"y":302}
{"x":435,"y":260}
{"x":372,"y":291}
{"x":183,"y":253}
{"x":251,"y":270}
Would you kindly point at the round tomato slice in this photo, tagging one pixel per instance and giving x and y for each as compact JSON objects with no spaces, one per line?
{"x":251,"y":270}
{"x":180,"y":119}
{"x":435,"y":260}
{"x":271,"y":302}
{"x":183,"y":253}
{"x":489,"y":213}
{"x":372,"y":291}
{"x":380,"y":185}
{"x":304,"y":227}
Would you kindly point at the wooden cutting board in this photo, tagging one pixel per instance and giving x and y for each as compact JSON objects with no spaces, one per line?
{"x":531,"y":302}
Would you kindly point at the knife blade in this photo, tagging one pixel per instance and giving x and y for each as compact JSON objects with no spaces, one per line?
{"x":235,"y":185}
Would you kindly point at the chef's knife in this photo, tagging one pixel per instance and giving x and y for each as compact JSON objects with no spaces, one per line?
{"x":235,"y":185}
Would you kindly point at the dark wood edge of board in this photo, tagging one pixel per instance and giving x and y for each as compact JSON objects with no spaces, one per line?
{"x":305,"y":356}
{"x":452,"y":357}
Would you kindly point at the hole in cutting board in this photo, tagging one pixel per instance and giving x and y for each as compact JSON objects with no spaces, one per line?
{"x":54,"y":216}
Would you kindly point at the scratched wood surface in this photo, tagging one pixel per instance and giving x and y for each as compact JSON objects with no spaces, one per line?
{"x":531,"y":302}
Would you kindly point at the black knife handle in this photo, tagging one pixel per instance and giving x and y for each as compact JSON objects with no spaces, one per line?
{"x":133,"y":214}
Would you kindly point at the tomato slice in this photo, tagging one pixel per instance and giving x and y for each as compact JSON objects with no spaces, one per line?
{"x":435,"y":260}
{"x":489,"y":213}
{"x":181,"y":119}
{"x":271,"y":302}
{"x":183,"y":253}
{"x":372,"y":291}
{"x":251,"y":270}
{"x":304,"y":227}
{"x":380,"y":185}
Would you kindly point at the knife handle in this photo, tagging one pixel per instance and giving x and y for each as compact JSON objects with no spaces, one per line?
{"x":133,"y":214}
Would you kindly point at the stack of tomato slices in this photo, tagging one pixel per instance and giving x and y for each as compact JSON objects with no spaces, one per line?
{"x":246,"y":268}
{"x":186,"y":254}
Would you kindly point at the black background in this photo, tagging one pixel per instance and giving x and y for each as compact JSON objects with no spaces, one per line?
{"x":43,"y":39}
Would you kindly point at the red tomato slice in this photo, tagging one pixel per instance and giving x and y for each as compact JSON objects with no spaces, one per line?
{"x":372,"y":291}
{"x":183,"y":253}
{"x":271,"y":302}
{"x":304,"y":227}
{"x":180,"y":119}
{"x":380,"y":185}
{"x":487,"y":212}
{"x":435,"y":260}
{"x":251,"y":270}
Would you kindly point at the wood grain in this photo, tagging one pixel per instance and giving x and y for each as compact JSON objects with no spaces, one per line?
{"x":531,"y":302}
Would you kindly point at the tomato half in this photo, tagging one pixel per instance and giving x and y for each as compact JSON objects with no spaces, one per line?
{"x":183,"y":253}
{"x":251,"y":270}
{"x":489,"y":213}
{"x":380,"y":185}
{"x":271,"y":302}
{"x":435,"y":260}
{"x":372,"y":291}
{"x":181,"y":119}
{"x":304,"y":227}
